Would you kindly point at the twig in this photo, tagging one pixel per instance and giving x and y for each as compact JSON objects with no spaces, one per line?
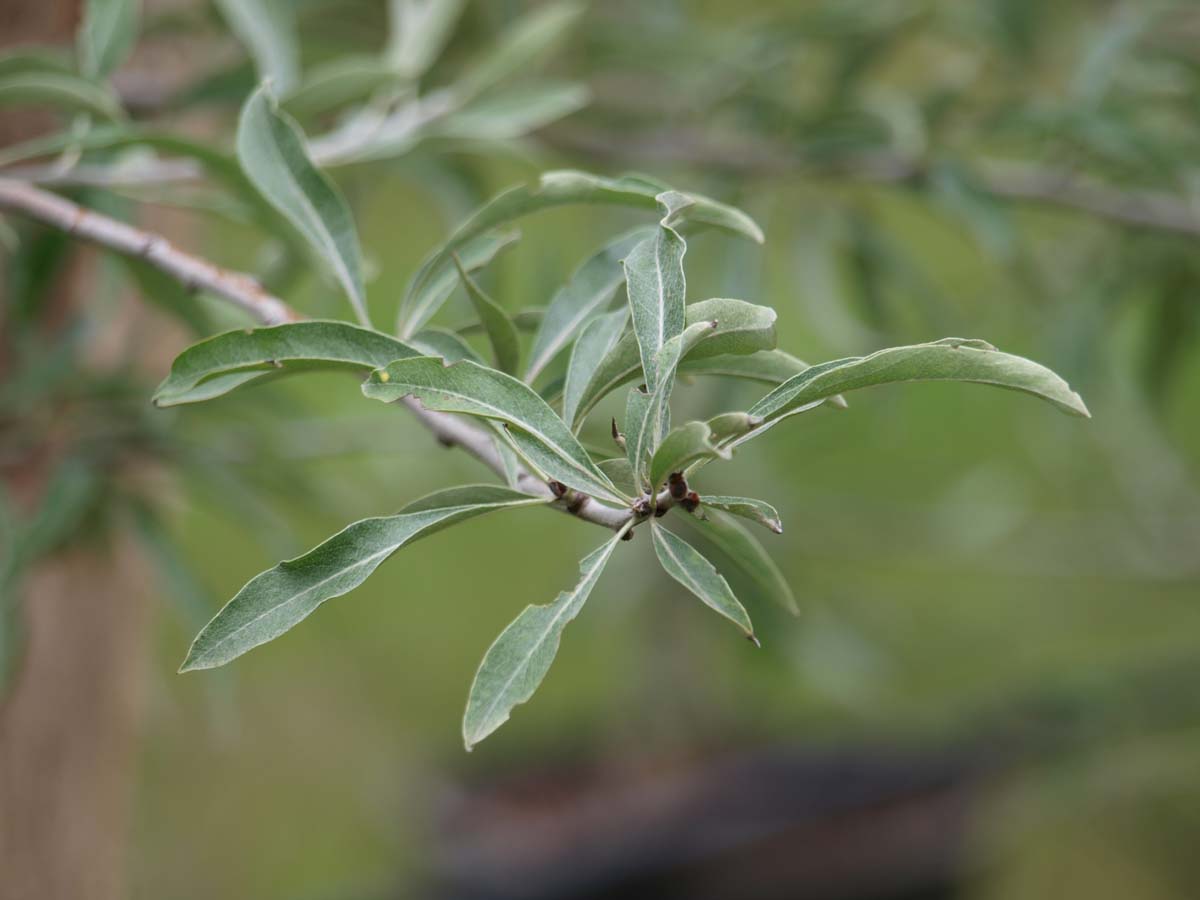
{"x":245,"y":292}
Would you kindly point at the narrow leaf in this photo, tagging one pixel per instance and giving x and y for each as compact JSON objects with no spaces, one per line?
{"x":513,"y":112}
{"x":446,"y":344}
{"x":518,"y":660}
{"x":657,"y":290}
{"x":951,"y":359}
{"x":501,"y":332}
{"x":270,"y":147}
{"x":684,"y":563}
{"x":466,"y":387}
{"x":683,"y":446}
{"x":60,"y":90}
{"x":267,"y":28}
{"x":594,"y":344}
{"x":732,"y":424}
{"x":588,"y":291}
{"x":419,"y":30}
{"x":636,"y":405}
{"x":747,"y":508}
{"x":106,"y":35}
{"x":746,"y":553}
{"x":215,"y":366}
{"x":339,"y":82}
{"x":278,"y":599}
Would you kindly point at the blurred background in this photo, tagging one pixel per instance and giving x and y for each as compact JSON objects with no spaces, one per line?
{"x":991,"y":689}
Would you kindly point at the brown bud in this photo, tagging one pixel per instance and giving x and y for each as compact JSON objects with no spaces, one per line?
{"x":558,"y":488}
{"x":678,"y":486}
{"x":690,"y":501}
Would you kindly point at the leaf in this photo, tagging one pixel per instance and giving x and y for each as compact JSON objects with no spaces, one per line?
{"x":474,"y":255}
{"x":557,"y":188}
{"x":57,"y":89}
{"x":527,"y":39}
{"x":684,"y":563}
{"x":520,"y":657}
{"x":683,"y":446}
{"x":748,"y":508}
{"x":741,"y":328}
{"x":743,"y":550}
{"x":278,"y":599}
{"x":267,"y":28}
{"x":636,"y":405}
{"x":338,"y":82}
{"x":620,"y":473}
{"x":501,"y":332}
{"x":508,"y":458}
{"x":106,"y":35}
{"x":419,"y":31}
{"x":950,"y":359}
{"x":770,"y":366}
{"x":657,"y":291}
{"x":466,"y":387}
{"x":446,"y":344}
{"x":271,"y":150}
{"x":683,"y":208}
{"x":588,"y":291}
{"x":597,"y":340}
{"x":216,"y":366}
{"x":514,"y":112}
{"x":732,"y":424}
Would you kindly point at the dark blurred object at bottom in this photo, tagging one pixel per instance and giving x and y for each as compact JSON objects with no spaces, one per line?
{"x":843,"y":825}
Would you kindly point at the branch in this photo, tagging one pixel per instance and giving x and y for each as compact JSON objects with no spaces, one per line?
{"x":245,"y":292}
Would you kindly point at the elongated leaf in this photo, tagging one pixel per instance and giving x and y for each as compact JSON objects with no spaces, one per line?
{"x":267,"y":28}
{"x":221,"y":363}
{"x":683,"y":208}
{"x":446,"y":344}
{"x":769,"y":366}
{"x":339,"y":82}
{"x":683,"y":446}
{"x":636,"y":405}
{"x":474,"y":255}
{"x":525,"y":319}
{"x":513,"y":112}
{"x":684,"y":563}
{"x":557,"y":188}
{"x":278,"y":599}
{"x":36,"y":59}
{"x":520,"y":657}
{"x":594,"y":344}
{"x":588,"y":291}
{"x":501,"y":332}
{"x":747,"y":508}
{"x":270,"y":147}
{"x":951,"y":359}
{"x":741,"y":328}
{"x":106,"y":35}
{"x":746,"y":553}
{"x":466,"y":387}
{"x":657,"y":291}
{"x":620,"y":473}
{"x":60,"y":90}
{"x":419,"y":30}
{"x":732,"y":424}
{"x":518,"y":47}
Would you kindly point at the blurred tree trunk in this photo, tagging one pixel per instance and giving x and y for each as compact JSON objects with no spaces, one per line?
{"x":68,"y":725}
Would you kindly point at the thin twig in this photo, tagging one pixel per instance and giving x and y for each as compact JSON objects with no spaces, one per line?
{"x":245,"y":292}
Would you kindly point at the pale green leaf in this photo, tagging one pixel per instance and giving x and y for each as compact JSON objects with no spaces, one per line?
{"x":636,"y":405}
{"x":747,"y":508}
{"x":500,"y":330}
{"x":744,"y":551}
{"x":466,"y":387}
{"x":685,"y":564}
{"x":338,"y":82}
{"x":520,"y":657}
{"x":696,"y":210}
{"x":474,"y":254}
{"x":60,"y":90}
{"x":225,"y":361}
{"x":106,"y":35}
{"x":951,"y":359}
{"x":270,"y":147}
{"x":681,"y":447}
{"x":732,"y":425}
{"x":620,"y":473}
{"x":419,"y":30}
{"x":597,"y":340}
{"x":589,"y":290}
{"x":267,"y":29}
{"x":278,"y":599}
{"x":657,"y":290}
{"x":446,"y":344}
{"x":514,"y":112}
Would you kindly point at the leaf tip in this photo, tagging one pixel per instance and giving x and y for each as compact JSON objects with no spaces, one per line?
{"x":753,"y":638}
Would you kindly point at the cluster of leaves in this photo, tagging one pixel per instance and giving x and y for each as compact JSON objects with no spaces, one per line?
{"x":622,"y":321}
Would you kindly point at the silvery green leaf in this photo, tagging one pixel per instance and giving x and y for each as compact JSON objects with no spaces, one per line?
{"x":267,"y":28}
{"x":59,"y":90}
{"x":520,"y":657}
{"x":950,"y":359}
{"x":337,"y":83}
{"x":620,"y":473}
{"x":770,"y":366}
{"x":270,"y":147}
{"x":597,"y":340}
{"x":216,"y":366}
{"x":510,"y":113}
{"x":106,"y":35}
{"x":501,"y":332}
{"x":693,"y":209}
{"x":743,"y":550}
{"x":526,"y":319}
{"x":278,"y":599}
{"x":474,"y":254}
{"x":741,"y":328}
{"x":732,"y":425}
{"x":557,"y":188}
{"x":419,"y":30}
{"x":521,"y":45}
{"x":636,"y":405}
{"x":588,"y":291}
{"x":466,"y":387}
{"x":685,"y":564}
{"x":680,"y":448}
{"x":446,"y":344}
{"x":748,"y":508}
{"x":657,"y":290}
